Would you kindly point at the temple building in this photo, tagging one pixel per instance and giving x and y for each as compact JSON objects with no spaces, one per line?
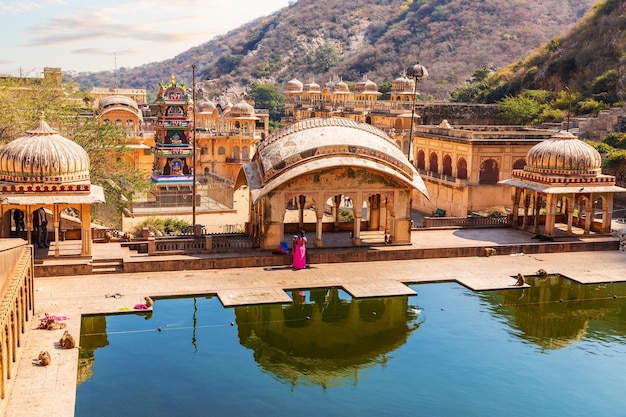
{"x":317,"y":163}
{"x":46,"y":171}
{"x":562,"y":181}
{"x":173,"y":149}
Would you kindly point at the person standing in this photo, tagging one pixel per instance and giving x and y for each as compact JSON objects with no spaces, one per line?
{"x":299,"y":251}
{"x":40,"y":223}
{"x":18,"y":217}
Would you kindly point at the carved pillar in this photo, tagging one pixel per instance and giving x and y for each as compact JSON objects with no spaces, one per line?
{"x":589,"y":214}
{"x":56,"y":223}
{"x":570,"y":214}
{"x":537,"y":210}
{"x":551,"y":201}
{"x":374,"y":212}
{"x":85,"y":218}
{"x":526,"y":208}
{"x":319,"y":214}
{"x":516,"y":199}
{"x":607,"y":213}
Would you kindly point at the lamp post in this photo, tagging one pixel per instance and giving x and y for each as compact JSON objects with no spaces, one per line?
{"x":418,"y":73}
{"x":193,"y":98}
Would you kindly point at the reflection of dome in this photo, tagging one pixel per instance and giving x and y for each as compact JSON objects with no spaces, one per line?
{"x":325,"y":342}
{"x":294,"y":86}
{"x":43,"y":156}
{"x":563,"y":154}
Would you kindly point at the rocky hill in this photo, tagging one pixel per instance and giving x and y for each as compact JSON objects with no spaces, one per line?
{"x":589,"y":60}
{"x":320,"y":39}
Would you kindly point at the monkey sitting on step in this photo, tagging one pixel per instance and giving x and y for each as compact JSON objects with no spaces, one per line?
{"x":67,"y":341}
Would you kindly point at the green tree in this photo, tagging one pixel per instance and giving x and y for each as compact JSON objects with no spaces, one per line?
{"x":520,"y":110}
{"x":23,"y":101}
{"x":268,"y":96}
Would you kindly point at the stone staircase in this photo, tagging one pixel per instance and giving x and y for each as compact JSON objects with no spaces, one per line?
{"x":107,"y":266}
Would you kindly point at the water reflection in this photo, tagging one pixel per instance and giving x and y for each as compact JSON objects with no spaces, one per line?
{"x":556,"y":311}
{"x":324,"y":338}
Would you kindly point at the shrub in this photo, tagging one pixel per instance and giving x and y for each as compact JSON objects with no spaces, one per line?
{"x":161,"y":226}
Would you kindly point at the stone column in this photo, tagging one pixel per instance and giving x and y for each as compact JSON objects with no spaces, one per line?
{"x":319,"y":214}
{"x":537,"y":210}
{"x":589,"y":214}
{"x":56,"y":223}
{"x":85,"y":218}
{"x":516,"y":199}
{"x":607,"y":213}
{"x":551,"y":201}
{"x":526,"y":208}
{"x":570,"y":214}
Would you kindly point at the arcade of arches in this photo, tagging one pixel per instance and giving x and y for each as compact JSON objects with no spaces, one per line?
{"x":330,"y":159}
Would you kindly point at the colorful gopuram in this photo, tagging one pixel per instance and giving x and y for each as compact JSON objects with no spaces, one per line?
{"x":173,"y":151}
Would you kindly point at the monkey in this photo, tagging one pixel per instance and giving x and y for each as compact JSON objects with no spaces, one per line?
{"x":542,"y":272}
{"x":490,"y":251}
{"x":149,"y":301}
{"x":44,"y":358}
{"x":50,"y":324}
{"x":520,"y":280}
{"x":67,"y":341}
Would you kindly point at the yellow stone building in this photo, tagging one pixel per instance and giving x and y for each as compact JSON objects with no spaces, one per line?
{"x":460,"y":165}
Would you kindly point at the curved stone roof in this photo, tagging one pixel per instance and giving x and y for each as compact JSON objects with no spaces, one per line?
{"x":320,"y":143}
{"x":118,"y":100}
{"x":366,"y":86}
{"x":563,"y":154}
{"x":206,"y":106}
{"x":43,"y":156}
{"x":294,"y":86}
{"x":241,"y":110}
{"x":312,"y":87}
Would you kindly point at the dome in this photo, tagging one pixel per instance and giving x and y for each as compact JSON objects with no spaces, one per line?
{"x":242,"y":110}
{"x":341,"y":87}
{"x":366,"y":86}
{"x":294,"y":86}
{"x":563,"y":154}
{"x":402,"y":84}
{"x":206,"y":106}
{"x":43,"y":156}
{"x":312,"y":87}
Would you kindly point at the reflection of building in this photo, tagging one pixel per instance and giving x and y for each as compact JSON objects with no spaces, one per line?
{"x":556,"y":311}
{"x":93,"y":334}
{"x":326,"y":341}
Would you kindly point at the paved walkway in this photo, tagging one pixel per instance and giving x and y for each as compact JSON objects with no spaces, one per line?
{"x":50,"y":391}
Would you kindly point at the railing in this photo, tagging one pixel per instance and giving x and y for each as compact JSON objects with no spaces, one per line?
{"x":467,"y":222}
{"x":229,"y":241}
{"x":187,"y":245}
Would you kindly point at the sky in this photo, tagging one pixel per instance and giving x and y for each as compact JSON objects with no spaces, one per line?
{"x":88,"y":35}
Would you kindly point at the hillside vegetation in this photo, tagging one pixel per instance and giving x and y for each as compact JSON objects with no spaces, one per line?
{"x":319,"y":39}
{"x":588,"y":61}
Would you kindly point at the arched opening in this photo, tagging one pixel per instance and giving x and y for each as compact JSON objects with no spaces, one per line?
{"x":421,"y":160}
{"x":221,"y":150}
{"x":461,"y":169}
{"x":519,"y":164}
{"x":447,"y":166}
{"x":489,"y":172}
{"x":204,"y":150}
{"x":433,"y":163}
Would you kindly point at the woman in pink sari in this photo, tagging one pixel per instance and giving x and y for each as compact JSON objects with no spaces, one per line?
{"x":299,"y":251}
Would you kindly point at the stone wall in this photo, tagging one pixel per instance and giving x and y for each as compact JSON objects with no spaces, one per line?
{"x":460,"y":113}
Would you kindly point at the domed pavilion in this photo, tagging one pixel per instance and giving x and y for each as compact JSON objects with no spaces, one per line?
{"x":46,"y":170}
{"x":319,"y":162}
{"x":563,"y":178}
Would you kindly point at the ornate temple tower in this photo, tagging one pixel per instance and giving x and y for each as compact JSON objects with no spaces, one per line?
{"x":173,"y":150}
